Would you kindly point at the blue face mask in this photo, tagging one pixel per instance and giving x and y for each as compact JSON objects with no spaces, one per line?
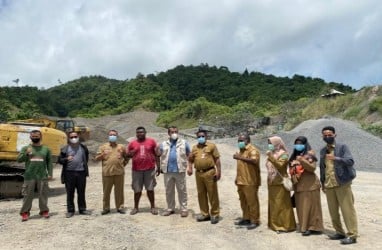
{"x":241,"y":144}
{"x":299,"y":147}
{"x":201,"y":140}
{"x":112,"y":138}
{"x":271,"y":147}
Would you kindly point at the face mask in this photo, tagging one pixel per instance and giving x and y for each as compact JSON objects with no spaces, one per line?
{"x":201,"y":140}
{"x":35,"y":140}
{"x":241,"y":144}
{"x":299,"y":147}
{"x":271,"y":147}
{"x":329,"y":140}
{"x":74,"y":140}
{"x":174,"y":136}
{"x":112,"y":138}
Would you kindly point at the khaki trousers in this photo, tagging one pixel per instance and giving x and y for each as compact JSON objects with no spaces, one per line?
{"x":342,"y":198}
{"x":207,"y":189}
{"x":28,"y":193}
{"x":249,"y":202}
{"x":118,"y":181}
{"x":178,"y":180}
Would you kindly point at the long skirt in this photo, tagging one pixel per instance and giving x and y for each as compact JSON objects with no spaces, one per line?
{"x":280,"y":211}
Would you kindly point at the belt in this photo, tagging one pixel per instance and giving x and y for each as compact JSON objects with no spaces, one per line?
{"x":204,"y":170}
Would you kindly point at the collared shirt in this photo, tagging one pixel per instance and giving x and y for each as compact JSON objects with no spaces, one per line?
{"x":248,"y":173}
{"x":77,"y":164}
{"x":330,"y":174}
{"x":205,"y":155}
{"x":172,"y":165}
{"x":114,"y":160}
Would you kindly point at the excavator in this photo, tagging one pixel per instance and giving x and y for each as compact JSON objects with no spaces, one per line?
{"x":64,"y":124}
{"x":14,"y":135}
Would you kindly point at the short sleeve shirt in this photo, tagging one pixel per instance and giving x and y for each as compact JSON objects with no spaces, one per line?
{"x":204,"y":155}
{"x":248,"y":173}
{"x":144,"y":157}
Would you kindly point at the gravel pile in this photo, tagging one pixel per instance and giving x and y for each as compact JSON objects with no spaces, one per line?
{"x":364,"y":146}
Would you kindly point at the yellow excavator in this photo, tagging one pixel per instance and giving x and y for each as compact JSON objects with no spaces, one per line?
{"x":64,"y":124}
{"x":13,"y":136}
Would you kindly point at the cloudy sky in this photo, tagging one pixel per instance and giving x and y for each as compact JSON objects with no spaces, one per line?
{"x":44,"y":42}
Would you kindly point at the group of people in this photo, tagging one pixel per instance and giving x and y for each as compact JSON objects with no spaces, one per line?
{"x":174,"y":158}
{"x":336,"y":174}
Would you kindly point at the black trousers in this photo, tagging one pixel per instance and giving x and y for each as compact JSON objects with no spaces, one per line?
{"x":75,"y":180}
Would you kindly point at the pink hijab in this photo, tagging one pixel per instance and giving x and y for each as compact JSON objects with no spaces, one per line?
{"x":279,"y":150}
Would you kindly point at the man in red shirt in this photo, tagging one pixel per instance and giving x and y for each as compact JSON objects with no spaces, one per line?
{"x":144,"y":159}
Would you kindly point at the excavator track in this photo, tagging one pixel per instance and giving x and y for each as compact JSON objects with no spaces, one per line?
{"x":11,"y":181}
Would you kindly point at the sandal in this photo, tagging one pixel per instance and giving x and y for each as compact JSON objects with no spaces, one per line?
{"x":134,"y":211}
{"x":154,"y":211}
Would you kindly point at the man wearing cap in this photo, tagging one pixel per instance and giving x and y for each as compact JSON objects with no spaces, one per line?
{"x":206,"y":160}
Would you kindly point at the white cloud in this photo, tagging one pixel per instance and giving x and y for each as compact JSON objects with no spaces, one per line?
{"x":47,"y":40}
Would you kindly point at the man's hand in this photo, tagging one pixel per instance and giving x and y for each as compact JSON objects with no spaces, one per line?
{"x":217,"y":176}
{"x":237,"y":156}
{"x":50,"y":178}
{"x":158,"y":171}
{"x":189,"y":170}
{"x":330,"y":157}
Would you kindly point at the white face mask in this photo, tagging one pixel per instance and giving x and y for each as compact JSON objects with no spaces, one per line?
{"x":74,"y":140}
{"x":174,"y":136}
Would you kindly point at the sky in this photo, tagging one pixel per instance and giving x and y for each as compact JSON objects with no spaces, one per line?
{"x":45,"y":43}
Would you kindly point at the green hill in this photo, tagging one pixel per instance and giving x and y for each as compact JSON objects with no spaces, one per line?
{"x":189,"y":95}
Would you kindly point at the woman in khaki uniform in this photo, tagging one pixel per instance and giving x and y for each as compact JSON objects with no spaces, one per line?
{"x":306,"y":187}
{"x":280,"y":211}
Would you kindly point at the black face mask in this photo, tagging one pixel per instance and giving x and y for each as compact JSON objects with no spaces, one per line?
{"x":35,"y":140}
{"x":329,"y":140}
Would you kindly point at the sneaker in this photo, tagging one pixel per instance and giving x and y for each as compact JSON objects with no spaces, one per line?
{"x":85,"y":212}
{"x":242,"y":222}
{"x":69,"y":214}
{"x":184,"y":213}
{"x":121,"y":211}
{"x":154,"y":211}
{"x":201,"y":218}
{"x":252,"y":226}
{"x":45,"y":214}
{"x":106,"y":211}
{"x":24,"y":216}
{"x":214,"y":219}
{"x":168,"y":213}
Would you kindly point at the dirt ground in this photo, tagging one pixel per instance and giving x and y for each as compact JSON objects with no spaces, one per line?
{"x":146,"y":231}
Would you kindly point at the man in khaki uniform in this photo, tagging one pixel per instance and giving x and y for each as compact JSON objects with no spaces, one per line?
{"x":337,"y":173}
{"x":114,"y":160}
{"x":205,"y":158}
{"x":248,"y":182}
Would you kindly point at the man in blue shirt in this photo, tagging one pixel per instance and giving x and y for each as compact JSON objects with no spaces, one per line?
{"x":173,"y":163}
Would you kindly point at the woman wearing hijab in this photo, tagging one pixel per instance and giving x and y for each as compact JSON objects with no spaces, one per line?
{"x":280,"y":211}
{"x":306,"y":187}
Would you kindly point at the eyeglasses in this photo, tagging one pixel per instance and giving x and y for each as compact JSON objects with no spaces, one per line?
{"x":71,"y":137}
{"x":201,"y":136}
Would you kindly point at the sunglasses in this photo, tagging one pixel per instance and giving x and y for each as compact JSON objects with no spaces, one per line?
{"x":71,"y":137}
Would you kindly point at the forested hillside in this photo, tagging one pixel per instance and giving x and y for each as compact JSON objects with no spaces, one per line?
{"x":93,"y":96}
